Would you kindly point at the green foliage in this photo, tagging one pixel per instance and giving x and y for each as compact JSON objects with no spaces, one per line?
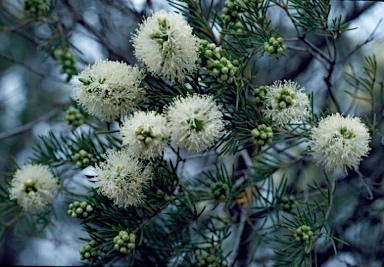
{"x":263,"y":192}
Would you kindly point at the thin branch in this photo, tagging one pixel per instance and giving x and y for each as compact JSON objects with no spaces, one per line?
{"x":44,"y":75}
{"x":26,"y":127}
{"x":101,"y":38}
{"x":369,"y":39}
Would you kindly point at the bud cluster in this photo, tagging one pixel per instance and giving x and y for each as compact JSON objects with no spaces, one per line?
{"x":83,"y":158}
{"x":30,"y":188}
{"x":275,"y":46}
{"x":303,"y":235}
{"x":259,"y":94}
{"x":207,"y":260}
{"x":262,"y":135}
{"x":161,"y":36}
{"x":68,"y":62}
{"x":80,"y":210}
{"x":124,"y":242}
{"x":288,"y":203}
{"x":35,"y":8}
{"x":238,"y":27}
{"x":231,"y":10}
{"x":219,"y":192}
{"x":89,"y":251}
{"x":162,"y":194}
{"x":144,"y":136}
{"x":219,"y":66}
{"x":74,"y":118}
{"x":284,"y":98}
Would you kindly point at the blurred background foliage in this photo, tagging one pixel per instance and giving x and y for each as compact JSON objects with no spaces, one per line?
{"x":34,"y":93}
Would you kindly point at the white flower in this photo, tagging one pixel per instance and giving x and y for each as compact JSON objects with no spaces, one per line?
{"x":339,"y":142}
{"x":122,"y":178}
{"x":32,"y":187}
{"x":166,"y":45}
{"x":146,"y":134}
{"x":110,"y":88}
{"x":195,"y":121}
{"x":286,"y":103}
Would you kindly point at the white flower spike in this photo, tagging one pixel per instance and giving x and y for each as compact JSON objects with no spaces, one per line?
{"x":339,"y":142}
{"x":146,"y":134}
{"x":195,"y":121}
{"x":32,"y":186}
{"x":166,"y":45}
{"x":286,"y":103}
{"x":122,"y":178}
{"x":110,"y":88}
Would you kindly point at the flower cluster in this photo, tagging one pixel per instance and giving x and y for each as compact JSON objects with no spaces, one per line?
{"x":195,"y":121}
{"x":80,"y":210}
{"x":259,"y":94}
{"x":110,"y":88}
{"x":208,"y":260}
{"x":32,"y":187}
{"x":274,"y":46}
{"x":35,"y":8}
{"x":146,"y":134}
{"x":74,"y":118}
{"x":262,"y":135}
{"x":124,"y":242}
{"x":67,"y":60}
{"x":219,"y":191}
{"x":166,"y":45}
{"x":90,"y":251}
{"x":288,"y":203}
{"x":231,"y":10}
{"x":303,"y":235}
{"x":339,"y":142}
{"x":218,"y":65}
{"x":286,"y":103}
{"x":83,"y":158}
{"x":121,"y":177}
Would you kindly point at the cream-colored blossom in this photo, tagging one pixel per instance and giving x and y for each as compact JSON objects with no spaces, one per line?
{"x":122,"y":178}
{"x":339,"y":142}
{"x":195,"y":121}
{"x":286,"y":103}
{"x":32,"y":186}
{"x":146,"y":134}
{"x":166,"y":45}
{"x":110,"y":88}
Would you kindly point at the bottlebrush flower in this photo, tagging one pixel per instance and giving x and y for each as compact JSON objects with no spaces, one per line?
{"x":286,"y":103}
{"x":146,"y":134}
{"x":339,"y":142}
{"x":32,"y":187}
{"x":195,"y":121}
{"x":122,"y":178}
{"x":110,"y":88}
{"x":166,"y":45}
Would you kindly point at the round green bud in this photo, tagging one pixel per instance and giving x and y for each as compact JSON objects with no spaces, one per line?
{"x":132,"y":237}
{"x":89,"y":208}
{"x":126,"y":237}
{"x":79,"y":210}
{"x":123,"y":250}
